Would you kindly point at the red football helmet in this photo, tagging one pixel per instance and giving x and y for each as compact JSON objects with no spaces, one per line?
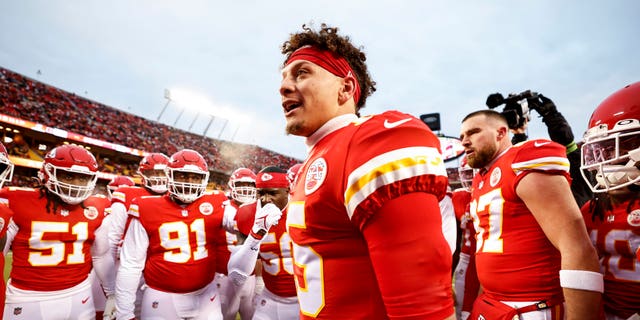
{"x":117,"y":182}
{"x":183,"y":168}
{"x":611,"y":149}
{"x":6,"y":167}
{"x":70,"y":172}
{"x":292,"y":174}
{"x":243,"y":185}
{"x":466,"y":173}
{"x":152,"y":170}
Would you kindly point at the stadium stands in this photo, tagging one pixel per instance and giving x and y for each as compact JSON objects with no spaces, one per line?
{"x":25,"y":98}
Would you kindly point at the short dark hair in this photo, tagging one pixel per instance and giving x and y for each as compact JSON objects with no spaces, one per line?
{"x":492,"y":114}
{"x":327,"y":38}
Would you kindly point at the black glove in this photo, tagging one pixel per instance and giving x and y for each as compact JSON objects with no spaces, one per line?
{"x":544,"y":106}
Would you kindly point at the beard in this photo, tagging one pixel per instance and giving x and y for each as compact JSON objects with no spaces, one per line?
{"x":482,"y":157}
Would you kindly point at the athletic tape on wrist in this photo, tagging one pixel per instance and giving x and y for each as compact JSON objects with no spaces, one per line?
{"x":582,"y":279}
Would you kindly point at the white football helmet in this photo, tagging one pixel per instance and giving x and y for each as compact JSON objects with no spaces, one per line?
{"x":611,"y":149}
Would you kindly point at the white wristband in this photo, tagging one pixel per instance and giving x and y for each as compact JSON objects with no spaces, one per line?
{"x":582,"y":279}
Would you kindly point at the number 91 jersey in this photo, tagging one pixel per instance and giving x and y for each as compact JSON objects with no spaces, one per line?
{"x":515,"y":260}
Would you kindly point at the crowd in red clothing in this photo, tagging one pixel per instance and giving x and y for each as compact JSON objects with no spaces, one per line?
{"x":32,"y":100}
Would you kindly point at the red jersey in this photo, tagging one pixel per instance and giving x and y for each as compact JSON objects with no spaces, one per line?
{"x":275,"y":252}
{"x":51,"y":250}
{"x":126,"y":194}
{"x":617,"y":240}
{"x":514,"y":259}
{"x":186,"y":242}
{"x":461,"y":199}
{"x":350,"y":173}
{"x":5,"y":218}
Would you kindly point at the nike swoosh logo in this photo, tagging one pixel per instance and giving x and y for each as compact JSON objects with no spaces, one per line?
{"x":540,"y":144}
{"x":214,"y":297}
{"x":390,"y":125}
{"x":85,"y":300}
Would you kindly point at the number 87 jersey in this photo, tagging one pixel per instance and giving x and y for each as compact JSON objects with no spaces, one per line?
{"x":514,"y":258}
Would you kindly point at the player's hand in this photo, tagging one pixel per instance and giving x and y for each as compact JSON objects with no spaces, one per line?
{"x":110,"y":308}
{"x":546,"y":107}
{"x":266,"y":217}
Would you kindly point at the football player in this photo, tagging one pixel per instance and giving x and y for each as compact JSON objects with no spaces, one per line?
{"x":154,"y":182}
{"x":176,"y":241}
{"x":532,"y":249}
{"x":611,"y":155}
{"x":264,"y":225}
{"x":6,"y":174}
{"x":364,"y":217}
{"x":55,"y":232}
{"x":234,"y":299}
{"x":465,"y":279}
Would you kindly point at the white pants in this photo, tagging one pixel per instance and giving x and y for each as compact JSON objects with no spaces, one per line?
{"x":203,"y":304}
{"x":272,"y":307}
{"x":75,"y":303}
{"x":235,"y":300}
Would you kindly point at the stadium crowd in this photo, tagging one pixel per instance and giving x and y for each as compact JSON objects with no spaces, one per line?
{"x":29,"y":99}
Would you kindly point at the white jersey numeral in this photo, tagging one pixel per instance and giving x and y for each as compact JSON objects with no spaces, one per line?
{"x":174,"y":236}
{"x":51,"y":252}
{"x":491,"y":202}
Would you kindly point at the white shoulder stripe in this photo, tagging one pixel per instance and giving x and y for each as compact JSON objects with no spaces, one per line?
{"x":388,"y":168}
{"x":544,"y":164}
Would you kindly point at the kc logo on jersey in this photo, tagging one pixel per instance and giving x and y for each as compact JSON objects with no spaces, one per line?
{"x":91,"y":213}
{"x":496,"y":175}
{"x":315,"y":176}
{"x":206,"y":208}
{"x":633,"y":218}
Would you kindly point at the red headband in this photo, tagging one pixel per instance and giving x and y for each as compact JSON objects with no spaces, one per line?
{"x":329,"y":61}
{"x":266,"y":180}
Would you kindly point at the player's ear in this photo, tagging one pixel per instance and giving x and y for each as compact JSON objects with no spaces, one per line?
{"x":348,"y":89}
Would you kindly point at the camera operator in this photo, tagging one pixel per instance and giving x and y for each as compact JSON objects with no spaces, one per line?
{"x":557,"y":126}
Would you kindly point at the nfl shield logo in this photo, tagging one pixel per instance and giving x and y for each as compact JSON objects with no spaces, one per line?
{"x":154,"y":305}
{"x":17,"y":311}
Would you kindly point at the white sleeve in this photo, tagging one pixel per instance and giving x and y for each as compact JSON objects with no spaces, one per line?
{"x":103,"y":261}
{"x":12,"y":230}
{"x":243,"y":261}
{"x":229,"y":217}
{"x":132,"y":260}
{"x":118,"y":221}
{"x":448,"y":222}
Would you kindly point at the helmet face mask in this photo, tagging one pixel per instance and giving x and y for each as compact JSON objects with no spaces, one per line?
{"x":243,"y":185}
{"x":70,"y":172}
{"x":188,"y":175}
{"x":611,"y":149}
{"x":609,"y":159}
{"x":6,"y":167}
{"x":466,"y":174}
{"x":152,"y":170}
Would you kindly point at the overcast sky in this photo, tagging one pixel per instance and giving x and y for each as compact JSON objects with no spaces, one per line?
{"x":426,"y":56}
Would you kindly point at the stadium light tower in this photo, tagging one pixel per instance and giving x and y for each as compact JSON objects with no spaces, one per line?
{"x":167,"y":95}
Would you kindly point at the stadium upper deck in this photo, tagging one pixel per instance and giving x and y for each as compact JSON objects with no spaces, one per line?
{"x":25,"y":98}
